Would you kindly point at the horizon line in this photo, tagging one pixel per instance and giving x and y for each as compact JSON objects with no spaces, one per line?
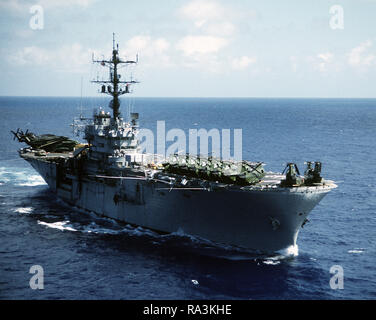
{"x":185,"y":97}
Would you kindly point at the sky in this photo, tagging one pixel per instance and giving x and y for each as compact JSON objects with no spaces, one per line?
{"x":192,"y":48}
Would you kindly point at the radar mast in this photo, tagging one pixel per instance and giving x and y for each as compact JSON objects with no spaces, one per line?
{"x":114,"y":86}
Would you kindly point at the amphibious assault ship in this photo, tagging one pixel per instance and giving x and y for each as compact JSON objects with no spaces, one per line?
{"x":236,"y":203}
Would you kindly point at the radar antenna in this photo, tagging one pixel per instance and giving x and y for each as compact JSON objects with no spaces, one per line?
{"x":114,"y":86}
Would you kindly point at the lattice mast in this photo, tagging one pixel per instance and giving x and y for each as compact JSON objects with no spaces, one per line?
{"x":114,"y":86}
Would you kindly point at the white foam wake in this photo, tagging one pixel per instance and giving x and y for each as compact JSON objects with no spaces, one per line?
{"x":24,"y":210}
{"x":32,"y":181}
{"x":291,"y":251}
{"x":356,"y":250}
{"x":95,"y":228}
{"x":271,"y":261}
{"x":20,"y":177}
{"x":60,"y":225}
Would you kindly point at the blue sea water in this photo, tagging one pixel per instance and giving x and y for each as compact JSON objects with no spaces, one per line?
{"x":87,"y":257}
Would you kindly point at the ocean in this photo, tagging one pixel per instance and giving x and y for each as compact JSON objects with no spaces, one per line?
{"x":87,"y":257}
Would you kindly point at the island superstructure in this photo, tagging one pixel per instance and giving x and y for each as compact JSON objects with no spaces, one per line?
{"x":236,"y":203}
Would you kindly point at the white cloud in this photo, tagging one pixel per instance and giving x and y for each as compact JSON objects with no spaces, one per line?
{"x":202,"y":11}
{"x":201,"y":52}
{"x":30,"y":56}
{"x":68,"y":58}
{"x":209,"y":17}
{"x":360,"y":57}
{"x":75,"y":58}
{"x":325,"y":57}
{"x":152,"y":51}
{"x":138,"y":43}
{"x":191,"y":45}
{"x":214,"y":26}
{"x":204,"y":63}
{"x":243,"y":62}
{"x":21,"y":6}
{"x":161,"y":45}
{"x":146,"y":45}
{"x":224,"y":28}
{"x":65,"y":3}
{"x":322,"y":61}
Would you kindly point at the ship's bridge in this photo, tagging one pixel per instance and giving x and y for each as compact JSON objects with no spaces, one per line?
{"x":111,"y":138}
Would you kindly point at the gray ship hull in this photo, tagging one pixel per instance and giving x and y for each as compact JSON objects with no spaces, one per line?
{"x":265,"y":219}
